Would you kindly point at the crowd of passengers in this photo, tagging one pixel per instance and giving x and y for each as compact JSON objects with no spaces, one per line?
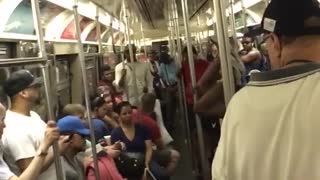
{"x":133,"y":114}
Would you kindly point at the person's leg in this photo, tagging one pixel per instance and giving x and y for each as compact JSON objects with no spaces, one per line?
{"x":167,"y":158}
{"x":159,"y":172}
{"x":171,"y":109}
{"x":174,"y":159}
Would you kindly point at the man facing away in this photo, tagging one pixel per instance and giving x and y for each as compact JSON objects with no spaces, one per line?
{"x":24,"y":128}
{"x":271,"y":126}
{"x":124,"y":77}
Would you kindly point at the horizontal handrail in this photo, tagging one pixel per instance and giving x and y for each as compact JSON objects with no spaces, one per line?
{"x":15,"y":61}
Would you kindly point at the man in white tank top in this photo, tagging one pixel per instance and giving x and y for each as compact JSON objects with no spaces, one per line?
{"x":24,"y":128}
{"x":271,"y":126}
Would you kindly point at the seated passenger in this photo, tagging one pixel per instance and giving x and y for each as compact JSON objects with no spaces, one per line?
{"x":163,"y":155}
{"x":100,"y":123}
{"x":111,"y":118}
{"x":77,"y":132}
{"x":137,"y":140}
{"x":106,"y":164}
{"x":75,"y":110}
{"x":34,"y":169}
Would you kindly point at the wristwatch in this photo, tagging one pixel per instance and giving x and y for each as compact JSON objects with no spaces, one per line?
{"x":41,"y":152}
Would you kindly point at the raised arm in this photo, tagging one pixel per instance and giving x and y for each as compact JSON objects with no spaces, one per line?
{"x":251,"y":56}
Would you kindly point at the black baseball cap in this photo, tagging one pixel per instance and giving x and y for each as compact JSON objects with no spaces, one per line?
{"x":19,"y":81}
{"x":289,"y":17}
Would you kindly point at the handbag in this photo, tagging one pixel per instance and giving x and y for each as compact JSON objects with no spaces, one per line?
{"x":131,"y":164}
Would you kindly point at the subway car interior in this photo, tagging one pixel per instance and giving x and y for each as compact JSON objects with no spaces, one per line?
{"x":155,"y":56}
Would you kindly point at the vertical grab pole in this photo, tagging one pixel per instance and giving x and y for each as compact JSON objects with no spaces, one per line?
{"x":204,"y":161}
{"x":132,"y":58}
{"x":111,"y":32}
{"x":45,"y":74}
{"x":224,"y":46}
{"x":86,"y":92}
{"x":232,"y":20}
{"x":143,"y":39}
{"x":244,"y":15}
{"x":122,"y":46}
{"x":183,"y":103}
{"x":198,"y":35}
{"x":98,"y":30}
{"x":171,"y":28}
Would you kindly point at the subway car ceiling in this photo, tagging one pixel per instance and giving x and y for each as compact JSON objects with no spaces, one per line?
{"x":153,"y":16}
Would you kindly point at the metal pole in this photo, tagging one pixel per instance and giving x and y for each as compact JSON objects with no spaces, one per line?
{"x":143,"y":39}
{"x":224,"y":53}
{"x":232,"y":20}
{"x":111,"y":32}
{"x":182,"y":85}
{"x":45,"y":73}
{"x":204,"y":161}
{"x":198,"y":35}
{"x":171,"y":29}
{"x":98,"y":30}
{"x":122,"y":48}
{"x":7,"y":71}
{"x":244,"y":15}
{"x":132,"y":58}
{"x":86,"y":91}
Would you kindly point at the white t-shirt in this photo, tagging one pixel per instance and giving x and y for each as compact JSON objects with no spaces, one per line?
{"x":144,"y":78}
{"x":5,"y":172}
{"x":21,"y":139}
{"x":271,"y":128}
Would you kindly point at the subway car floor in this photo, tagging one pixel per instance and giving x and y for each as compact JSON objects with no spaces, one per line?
{"x":184,"y":169}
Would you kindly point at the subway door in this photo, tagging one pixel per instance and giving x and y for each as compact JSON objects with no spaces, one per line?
{"x":63,"y":84}
{"x":91,"y":72}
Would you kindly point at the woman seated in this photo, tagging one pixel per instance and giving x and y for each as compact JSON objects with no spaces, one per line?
{"x":100,"y":123}
{"x":111,"y":118}
{"x":34,"y":169}
{"x":136,"y":159}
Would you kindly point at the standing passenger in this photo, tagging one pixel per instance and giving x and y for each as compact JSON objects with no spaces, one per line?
{"x":271,"y":126}
{"x":168,"y":72}
{"x":24,"y":128}
{"x":34,"y":169}
{"x":250,"y":56}
{"x":124,"y":77}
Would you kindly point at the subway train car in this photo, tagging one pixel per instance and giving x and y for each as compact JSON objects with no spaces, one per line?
{"x":149,"y":80}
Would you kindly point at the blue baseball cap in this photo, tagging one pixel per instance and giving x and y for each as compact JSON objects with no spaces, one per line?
{"x":72,"y":124}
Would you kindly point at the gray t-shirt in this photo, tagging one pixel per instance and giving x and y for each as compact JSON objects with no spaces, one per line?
{"x":73,"y":169}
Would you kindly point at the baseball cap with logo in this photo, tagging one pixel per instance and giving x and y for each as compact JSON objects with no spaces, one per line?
{"x":292,"y":17}
{"x":19,"y":81}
